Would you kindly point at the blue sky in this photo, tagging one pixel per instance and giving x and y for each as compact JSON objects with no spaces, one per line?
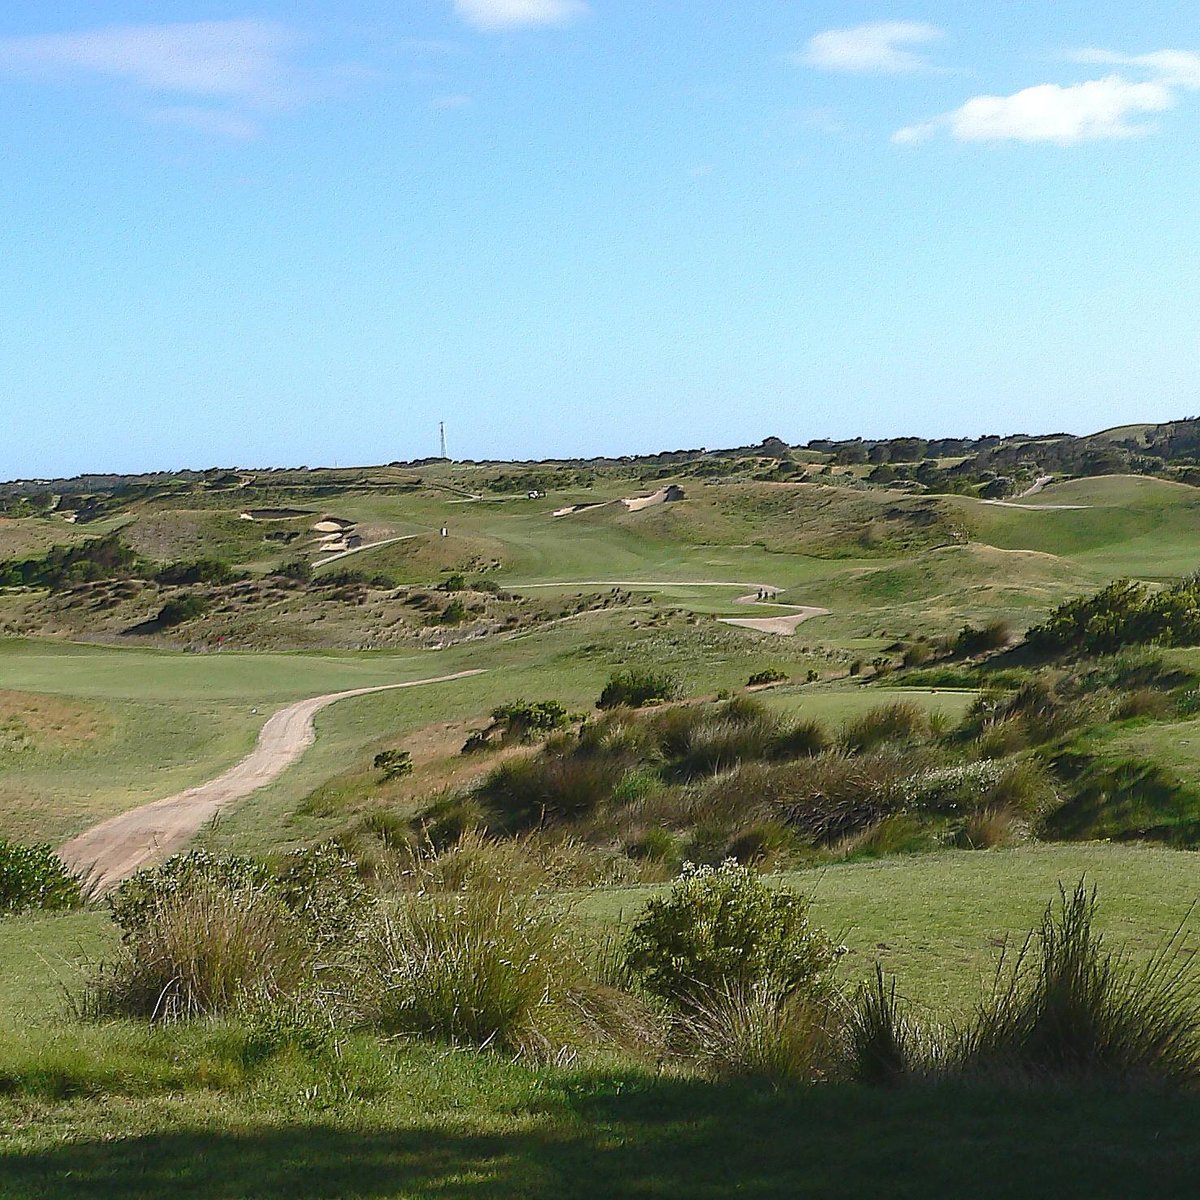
{"x":277,"y":234}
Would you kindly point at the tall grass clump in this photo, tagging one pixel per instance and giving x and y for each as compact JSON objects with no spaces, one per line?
{"x":488,"y":967}
{"x":902,"y":722}
{"x":883,"y":1044}
{"x":205,"y":935}
{"x":1069,"y":1006}
{"x":758,"y":1032}
{"x":204,"y":951}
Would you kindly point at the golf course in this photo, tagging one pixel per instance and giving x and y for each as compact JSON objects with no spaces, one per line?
{"x":336,"y":807}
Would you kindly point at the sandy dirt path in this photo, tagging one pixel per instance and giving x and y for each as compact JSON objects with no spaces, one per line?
{"x":110,"y":852}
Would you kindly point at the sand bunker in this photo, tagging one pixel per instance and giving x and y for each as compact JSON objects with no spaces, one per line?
{"x":332,"y":525}
{"x":665,"y":495}
{"x":784,"y":626}
{"x":275,"y":514}
{"x":578,"y":508}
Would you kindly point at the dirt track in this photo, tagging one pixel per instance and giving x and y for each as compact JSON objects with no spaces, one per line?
{"x":119,"y":847}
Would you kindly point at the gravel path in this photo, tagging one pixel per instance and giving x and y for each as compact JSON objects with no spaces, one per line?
{"x":110,"y":852}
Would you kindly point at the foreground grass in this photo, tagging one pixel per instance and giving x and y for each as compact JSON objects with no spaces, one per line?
{"x":374,"y":1121}
{"x":242,"y":1110}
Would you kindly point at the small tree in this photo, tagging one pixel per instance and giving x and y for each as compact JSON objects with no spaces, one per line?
{"x":638,"y":688}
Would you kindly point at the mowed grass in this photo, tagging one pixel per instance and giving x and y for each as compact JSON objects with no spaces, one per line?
{"x":1142,"y":527}
{"x":397,"y":1123}
{"x":939,"y":922}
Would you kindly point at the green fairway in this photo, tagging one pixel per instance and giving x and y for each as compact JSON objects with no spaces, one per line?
{"x":939,"y":921}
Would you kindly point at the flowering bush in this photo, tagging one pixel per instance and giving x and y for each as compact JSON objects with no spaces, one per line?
{"x":721,"y":927}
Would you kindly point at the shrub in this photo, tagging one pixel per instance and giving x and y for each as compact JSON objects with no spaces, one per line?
{"x":900,"y":722}
{"x":34,"y":877}
{"x":1123,"y":614}
{"x":769,"y":675}
{"x":720,"y":928}
{"x":525,"y":720}
{"x":134,"y":903}
{"x":394,"y":764}
{"x":486,"y":967}
{"x":320,"y":887}
{"x":181,"y":609}
{"x":455,"y":613}
{"x":1068,"y":1006}
{"x":995,"y":635}
{"x":636,"y":689}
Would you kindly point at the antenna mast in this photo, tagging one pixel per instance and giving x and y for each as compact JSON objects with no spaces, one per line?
{"x":442,"y":431}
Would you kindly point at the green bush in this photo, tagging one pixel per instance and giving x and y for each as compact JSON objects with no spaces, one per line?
{"x":455,"y":613}
{"x":394,"y":764}
{"x":723,"y":927}
{"x":525,"y":720}
{"x":181,"y":609}
{"x":770,"y":675}
{"x":636,"y":689}
{"x":1123,"y":614}
{"x":34,"y":877}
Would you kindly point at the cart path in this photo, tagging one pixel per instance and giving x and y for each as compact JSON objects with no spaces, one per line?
{"x":110,"y":852}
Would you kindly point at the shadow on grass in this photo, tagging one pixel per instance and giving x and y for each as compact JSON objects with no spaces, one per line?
{"x":600,"y":1137}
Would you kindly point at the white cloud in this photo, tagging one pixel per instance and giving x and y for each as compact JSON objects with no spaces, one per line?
{"x":491,"y":16}
{"x":881,"y":47}
{"x":1084,"y":112}
{"x":1175,"y":68}
{"x":450,"y":103}
{"x":217,"y":121}
{"x":230,"y":59}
